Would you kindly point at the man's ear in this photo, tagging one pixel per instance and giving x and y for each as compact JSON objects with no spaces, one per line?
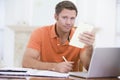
{"x":56,"y":17}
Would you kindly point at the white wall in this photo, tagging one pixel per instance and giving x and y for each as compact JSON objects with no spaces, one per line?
{"x":106,"y":18}
{"x":118,"y":16}
{"x":43,"y":12}
{"x":1,"y":45}
{"x":118,"y":23}
{"x":2,"y":15}
{"x":8,"y":48}
{"x":87,"y":11}
{"x":6,"y":39}
{"x":30,"y":12}
{"x":21,"y":11}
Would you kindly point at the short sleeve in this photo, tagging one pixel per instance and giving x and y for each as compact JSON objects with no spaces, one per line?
{"x":35,"y":40}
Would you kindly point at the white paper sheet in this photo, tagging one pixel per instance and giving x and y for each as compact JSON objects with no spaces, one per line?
{"x":82,"y":28}
{"x":46,"y":73}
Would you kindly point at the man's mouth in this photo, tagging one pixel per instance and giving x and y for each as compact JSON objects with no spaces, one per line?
{"x":68,"y":27}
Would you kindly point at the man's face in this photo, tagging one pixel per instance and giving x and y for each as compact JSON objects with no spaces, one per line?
{"x":65,"y":20}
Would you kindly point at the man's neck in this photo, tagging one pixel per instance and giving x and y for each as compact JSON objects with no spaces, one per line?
{"x":62,"y":35}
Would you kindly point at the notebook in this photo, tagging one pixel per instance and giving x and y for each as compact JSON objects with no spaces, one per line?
{"x":105,"y":62}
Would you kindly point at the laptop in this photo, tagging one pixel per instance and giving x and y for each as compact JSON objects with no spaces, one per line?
{"x":105,"y":62}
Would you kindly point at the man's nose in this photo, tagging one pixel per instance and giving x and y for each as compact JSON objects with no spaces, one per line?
{"x":68,"y":21}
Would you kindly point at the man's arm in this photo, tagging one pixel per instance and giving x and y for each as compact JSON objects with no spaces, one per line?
{"x":85,"y":56}
{"x":31,"y":59}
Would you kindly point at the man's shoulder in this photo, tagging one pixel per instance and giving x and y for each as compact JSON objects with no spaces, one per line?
{"x":43,"y":28}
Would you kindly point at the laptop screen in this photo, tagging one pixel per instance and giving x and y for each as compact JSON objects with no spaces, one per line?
{"x":105,"y":62}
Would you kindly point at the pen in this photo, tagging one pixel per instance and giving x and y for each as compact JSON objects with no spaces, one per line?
{"x":64,"y":59}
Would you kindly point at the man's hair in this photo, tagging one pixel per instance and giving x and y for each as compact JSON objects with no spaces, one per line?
{"x":65,"y":5}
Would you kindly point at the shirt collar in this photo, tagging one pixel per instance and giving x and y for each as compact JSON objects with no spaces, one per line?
{"x":53,"y":33}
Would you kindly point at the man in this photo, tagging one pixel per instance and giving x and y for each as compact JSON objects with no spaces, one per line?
{"x":48,"y":44}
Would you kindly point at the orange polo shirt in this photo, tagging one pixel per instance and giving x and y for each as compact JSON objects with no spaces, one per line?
{"x":45,"y":40}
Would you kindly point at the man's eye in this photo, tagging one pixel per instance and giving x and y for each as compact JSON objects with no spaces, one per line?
{"x":64,"y":17}
{"x":72,"y":18}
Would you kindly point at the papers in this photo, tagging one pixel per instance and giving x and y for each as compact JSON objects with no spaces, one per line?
{"x":13,"y":71}
{"x":82,"y":28}
{"x":46,"y":73}
{"x":30,"y":72}
{"x":6,"y":69}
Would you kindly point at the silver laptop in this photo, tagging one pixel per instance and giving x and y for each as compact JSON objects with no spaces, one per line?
{"x":105,"y":62}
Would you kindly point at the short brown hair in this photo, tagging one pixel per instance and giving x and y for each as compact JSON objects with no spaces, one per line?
{"x":65,"y":5}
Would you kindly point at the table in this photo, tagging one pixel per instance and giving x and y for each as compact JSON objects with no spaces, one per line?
{"x":49,"y":78}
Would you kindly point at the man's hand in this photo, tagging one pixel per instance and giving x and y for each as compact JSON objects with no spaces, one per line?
{"x":63,"y":67}
{"x":87,"y":38}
